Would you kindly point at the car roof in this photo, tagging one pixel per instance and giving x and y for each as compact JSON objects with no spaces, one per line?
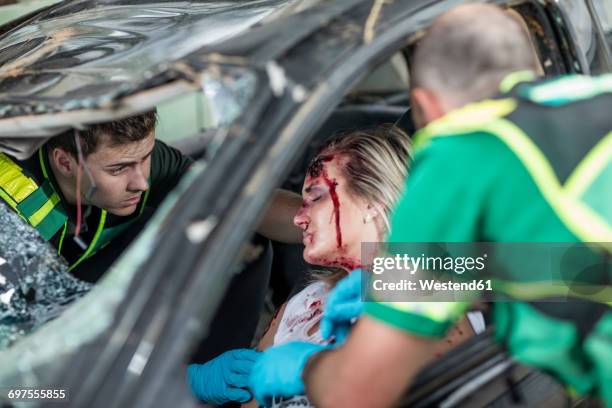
{"x":84,"y":62}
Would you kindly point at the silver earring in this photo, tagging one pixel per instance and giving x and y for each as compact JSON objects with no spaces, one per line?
{"x":367,"y":218}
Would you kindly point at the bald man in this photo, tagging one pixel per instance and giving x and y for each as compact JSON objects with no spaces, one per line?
{"x":474,"y":185}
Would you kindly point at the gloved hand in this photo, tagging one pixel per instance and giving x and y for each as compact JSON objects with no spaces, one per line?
{"x":278,"y":373}
{"x":343,"y":305}
{"x":224,"y":378}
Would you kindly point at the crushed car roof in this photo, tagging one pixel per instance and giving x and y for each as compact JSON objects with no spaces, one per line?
{"x":85,"y":61}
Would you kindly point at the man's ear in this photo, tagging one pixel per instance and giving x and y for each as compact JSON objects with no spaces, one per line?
{"x":63,"y":162}
{"x":426,"y":106}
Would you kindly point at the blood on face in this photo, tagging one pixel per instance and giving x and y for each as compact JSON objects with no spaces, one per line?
{"x":321,"y":175}
{"x":316,"y":170}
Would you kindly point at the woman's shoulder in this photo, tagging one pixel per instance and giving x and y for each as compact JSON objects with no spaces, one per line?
{"x":302,"y":314}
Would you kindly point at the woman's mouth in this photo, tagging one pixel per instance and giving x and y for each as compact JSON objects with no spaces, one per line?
{"x":307,"y":238}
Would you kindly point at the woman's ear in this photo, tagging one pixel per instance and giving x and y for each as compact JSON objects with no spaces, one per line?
{"x":370,"y":214}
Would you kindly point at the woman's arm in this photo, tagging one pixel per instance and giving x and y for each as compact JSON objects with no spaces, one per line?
{"x":266,"y":341}
{"x":277,"y":223}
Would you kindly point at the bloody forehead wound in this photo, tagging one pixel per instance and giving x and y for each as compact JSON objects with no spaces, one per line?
{"x":316,"y":166}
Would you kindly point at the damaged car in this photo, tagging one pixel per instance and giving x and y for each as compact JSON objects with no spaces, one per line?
{"x":250,"y":90}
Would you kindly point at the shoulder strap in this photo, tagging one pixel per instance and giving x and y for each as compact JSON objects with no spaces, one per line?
{"x":564,"y":89}
{"x":36,"y":204}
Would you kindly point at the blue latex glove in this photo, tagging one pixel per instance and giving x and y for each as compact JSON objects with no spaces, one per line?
{"x":278,"y":373}
{"x":343,"y":305}
{"x":224,"y":378}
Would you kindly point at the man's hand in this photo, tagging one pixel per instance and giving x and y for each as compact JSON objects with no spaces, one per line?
{"x":278,"y":373}
{"x":343,"y":306}
{"x":224,"y":378}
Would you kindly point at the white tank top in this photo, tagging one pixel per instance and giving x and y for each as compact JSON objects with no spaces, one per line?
{"x":302,"y":312}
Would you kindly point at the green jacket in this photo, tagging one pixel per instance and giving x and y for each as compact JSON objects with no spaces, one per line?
{"x":532,"y":165}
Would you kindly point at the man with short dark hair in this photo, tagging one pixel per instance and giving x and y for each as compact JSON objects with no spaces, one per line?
{"x":531,"y":164}
{"x":93,"y":190}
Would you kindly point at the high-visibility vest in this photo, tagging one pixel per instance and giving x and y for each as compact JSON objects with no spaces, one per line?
{"x":40,"y":206}
{"x":570,"y":161}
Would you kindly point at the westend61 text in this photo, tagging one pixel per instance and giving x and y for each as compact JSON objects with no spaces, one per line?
{"x":432,"y":285}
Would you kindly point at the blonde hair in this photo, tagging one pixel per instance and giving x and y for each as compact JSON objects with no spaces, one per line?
{"x":376,"y":168}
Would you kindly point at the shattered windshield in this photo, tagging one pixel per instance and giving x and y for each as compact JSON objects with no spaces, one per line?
{"x":85,"y":62}
{"x":35,"y":285}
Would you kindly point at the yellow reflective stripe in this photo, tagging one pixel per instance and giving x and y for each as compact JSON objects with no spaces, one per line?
{"x":13,"y":181}
{"x":9,"y":200}
{"x":472,"y":117}
{"x":144,"y":201}
{"x":595,"y":161}
{"x":436,"y":311}
{"x":541,"y":290}
{"x":572,"y":87}
{"x":43,"y":211}
{"x":61,"y":241}
{"x":514,"y":78}
{"x":42,"y":163}
{"x":92,"y":245}
{"x":586,"y":224}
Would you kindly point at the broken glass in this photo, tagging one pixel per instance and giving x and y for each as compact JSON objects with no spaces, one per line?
{"x":226,"y":95}
{"x":35,"y":285}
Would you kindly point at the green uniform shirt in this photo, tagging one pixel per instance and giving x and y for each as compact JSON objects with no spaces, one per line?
{"x":473,"y":188}
{"x":466,"y":189}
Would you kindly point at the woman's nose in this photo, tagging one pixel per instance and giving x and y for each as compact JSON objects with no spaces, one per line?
{"x":301,"y":219}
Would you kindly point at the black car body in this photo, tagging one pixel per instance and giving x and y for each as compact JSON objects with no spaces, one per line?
{"x":293,"y":65}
